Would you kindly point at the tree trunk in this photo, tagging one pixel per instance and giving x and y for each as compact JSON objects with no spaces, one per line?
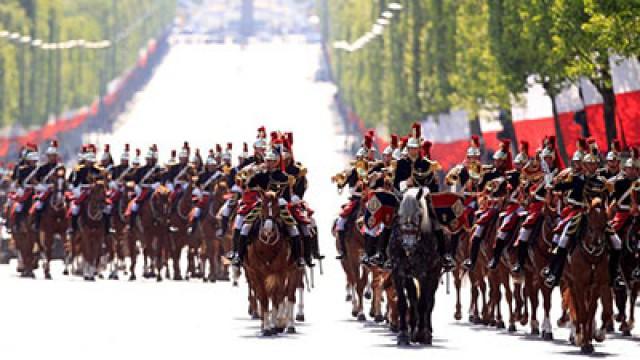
{"x":609,"y":98}
{"x":556,"y":125}
{"x":508,"y":131}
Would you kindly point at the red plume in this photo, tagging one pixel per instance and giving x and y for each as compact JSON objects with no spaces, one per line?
{"x":54,"y":143}
{"x":107,"y":147}
{"x":126,"y":147}
{"x":524,"y":147}
{"x":154,"y":147}
{"x":475,"y":141}
{"x":138,"y":152}
{"x":229,"y":146}
{"x":426,"y":148}
{"x":394,"y":141}
{"x":211,"y":153}
{"x":218,"y":148}
{"x":173,"y":153}
{"x":368,"y":141}
{"x":275,"y":137}
{"x":262,"y":132}
{"x":403,"y":141}
{"x":245,"y":148}
{"x":416,"y":130}
{"x":582,"y":144}
{"x":616,"y":146}
{"x":290,"y":138}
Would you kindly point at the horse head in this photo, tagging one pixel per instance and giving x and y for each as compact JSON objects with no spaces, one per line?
{"x":159,"y":203}
{"x":59,"y":182}
{"x":593,"y":239}
{"x":96,"y":200}
{"x":413,"y":222}
{"x":270,"y":212}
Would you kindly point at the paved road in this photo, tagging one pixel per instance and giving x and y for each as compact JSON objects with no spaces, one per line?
{"x":209,"y":94}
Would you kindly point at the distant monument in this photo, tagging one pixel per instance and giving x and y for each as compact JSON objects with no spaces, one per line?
{"x":246,"y":22}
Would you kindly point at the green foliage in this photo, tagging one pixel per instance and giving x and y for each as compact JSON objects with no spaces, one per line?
{"x":37,"y":83}
{"x":438,"y":55}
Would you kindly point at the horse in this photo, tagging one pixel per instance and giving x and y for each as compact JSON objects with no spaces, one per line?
{"x":357,"y":275}
{"x":54,"y":221}
{"x":179,"y":238}
{"x":117,"y":246}
{"x":24,"y":238}
{"x":211,"y":245}
{"x":416,"y":267}
{"x":628,"y":262}
{"x":269,"y":266}
{"x":152,"y":228}
{"x":585,"y":275}
{"x":91,"y":228}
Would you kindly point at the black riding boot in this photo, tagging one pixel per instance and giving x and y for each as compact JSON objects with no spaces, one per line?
{"x":615,"y":280}
{"x":107,"y":224}
{"x":37,"y":216}
{"x":447,"y":259}
{"x":235,"y":241}
{"x":238,"y":258}
{"x":17,"y":221}
{"x":315,"y":248}
{"x":523,"y":251}
{"x":74,"y":224}
{"x":194,"y":225}
{"x":469,"y":263}
{"x":308,"y":247}
{"x":556,"y":267}
{"x":455,"y":239}
{"x":132,"y":219}
{"x":342,"y":249}
{"x":369,"y":249}
{"x":296,"y":251}
{"x":497,"y":253}
{"x":380,"y":258}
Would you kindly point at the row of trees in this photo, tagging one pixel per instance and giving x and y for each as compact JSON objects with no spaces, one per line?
{"x":37,"y":82}
{"x":438,"y":55}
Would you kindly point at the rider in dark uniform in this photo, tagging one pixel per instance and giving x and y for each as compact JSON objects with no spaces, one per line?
{"x":42,"y":175}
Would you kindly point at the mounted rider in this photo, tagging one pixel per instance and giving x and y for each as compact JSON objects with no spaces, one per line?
{"x":613,"y":159}
{"x":493,"y":185}
{"x":204,"y":187}
{"x":537,"y":173}
{"x":177,"y":177}
{"x":270,"y":177}
{"x":80,"y":180}
{"x":42,"y":175}
{"x":147,"y":179}
{"x":117,"y":175}
{"x":23,"y":183}
{"x":581,"y":184}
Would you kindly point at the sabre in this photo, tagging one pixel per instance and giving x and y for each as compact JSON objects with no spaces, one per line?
{"x":448,"y":282}
{"x":320,"y":265}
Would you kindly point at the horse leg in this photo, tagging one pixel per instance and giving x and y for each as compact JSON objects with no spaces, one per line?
{"x":359,"y":295}
{"x":403,"y":335}
{"x":457,"y":281}
{"x":420,"y":332}
{"x":606,"y":297}
{"x":176,"y":252}
{"x":133,"y":255}
{"x":509,"y":297}
{"x":47,"y":240}
{"x":474,"y":315}
{"x":633,"y":294}
{"x":531,"y":292}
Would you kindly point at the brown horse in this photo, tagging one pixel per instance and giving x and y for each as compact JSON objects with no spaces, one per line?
{"x":117,"y":245}
{"x":585,"y":276}
{"x":357,"y":275}
{"x":25,"y":240}
{"x":54,"y":221}
{"x":152,"y":228}
{"x":478,"y":285}
{"x":628,"y":262}
{"x":269,"y":266}
{"x":212,"y":249}
{"x":91,"y":228}
{"x":179,"y":237}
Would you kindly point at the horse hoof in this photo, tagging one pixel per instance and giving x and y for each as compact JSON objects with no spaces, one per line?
{"x":47,"y":276}
{"x":278,"y":330}
{"x":177,"y":277}
{"x":457,"y":316}
{"x":600,"y":335}
{"x":234,"y":284}
{"x":255,"y":316}
{"x":372,"y":313}
{"x":610,"y":329}
{"x":354,"y":313}
{"x":500,"y":324}
{"x":205,"y":280}
{"x":300,"y":317}
{"x":512,"y":328}
{"x":393,"y":328}
{"x":572,"y":340}
{"x":291,"y":330}
{"x":586,"y":349}
{"x":491,"y":323}
{"x":524,"y":320}
{"x":348,"y":298}
{"x":132,"y":277}
{"x":378,"y":318}
{"x":361,"y":317}
{"x":100,"y":276}
{"x":65,"y":272}
{"x":159,"y":279}
{"x":403,"y":339}
{"x":535,"y":331}
{"x":626,"y":333}
{"x":547,"y":336}
{"x":367,"y":295}
{"x":267,"y":332}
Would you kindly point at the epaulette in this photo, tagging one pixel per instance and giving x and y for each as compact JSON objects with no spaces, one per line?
{"x":434,"y":165}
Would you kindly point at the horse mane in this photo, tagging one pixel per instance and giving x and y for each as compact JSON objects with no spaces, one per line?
{"x":413,"y":201}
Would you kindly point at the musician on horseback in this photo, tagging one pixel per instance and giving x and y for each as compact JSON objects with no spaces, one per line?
{"x":350,"y":178}
{"x":582,"y":184}
{"x":269,"y":177}
{"x":42,"y":175}
{"x":204,"y":187}
{"x":147,"y":179}
{"x":81,"y":178}
{"x":537,"y":173}
{"x":23,"y":184}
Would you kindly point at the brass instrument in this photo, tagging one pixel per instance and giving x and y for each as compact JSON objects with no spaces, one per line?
{"x":453,"y":176}
{"x":226,"y":169}
{"x":362,"y":169}
{"x":339,"y":179}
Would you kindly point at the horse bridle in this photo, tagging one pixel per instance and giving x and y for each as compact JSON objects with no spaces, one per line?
{"x":271,"y":220}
